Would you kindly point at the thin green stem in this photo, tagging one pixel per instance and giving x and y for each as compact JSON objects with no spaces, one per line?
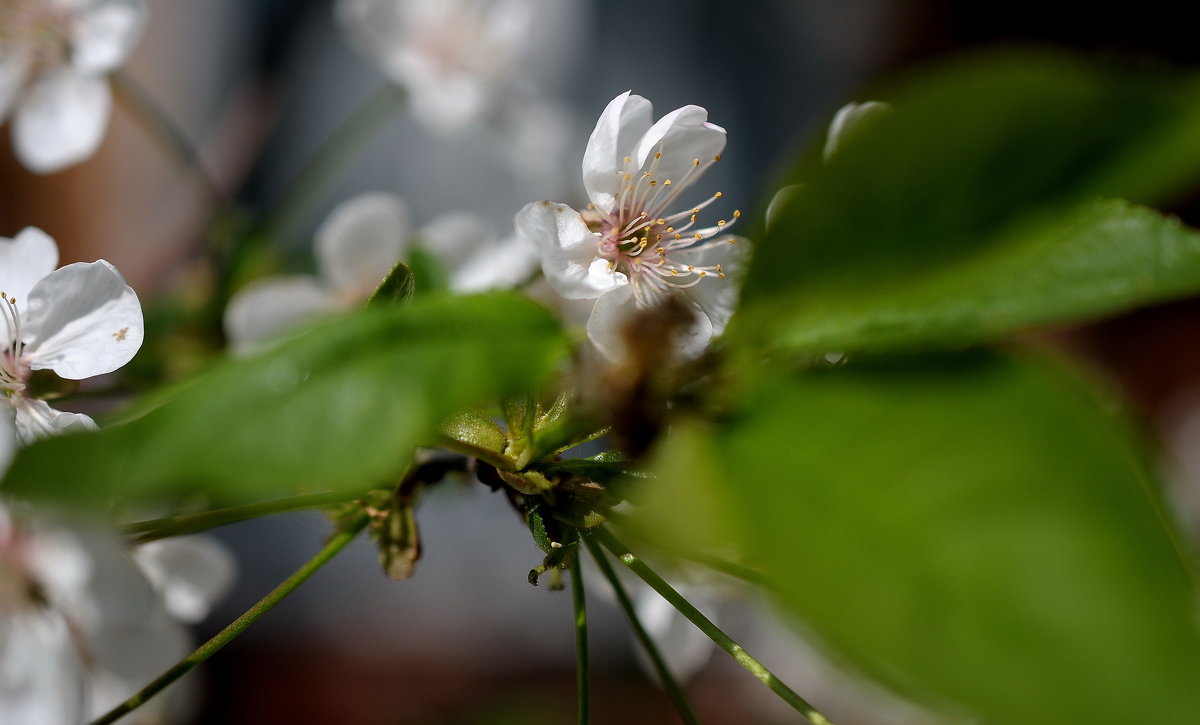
{"x":706,"y":625}
{"x":153,"y":529}
{"x":333,"y":155}
{"x":159,"y":126}
{"x":720,"y":564}
{"x":338,"y":542}
{"x":674,"y":691}
{"x":582,"y":660}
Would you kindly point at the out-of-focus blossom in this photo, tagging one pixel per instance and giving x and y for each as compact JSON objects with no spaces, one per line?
{"x":848,"y":119}
{"x":637,"y":243}
{"x":458,"y":59}
{"x":55,"y":56}
{"x":81,"y":628}
{"x":355,"y":247}
{"x":190,"y":573}
{"x":684,"y":648}
{"x":78,"y":321}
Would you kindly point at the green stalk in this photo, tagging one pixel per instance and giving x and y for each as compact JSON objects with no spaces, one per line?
{"x":153,"y":529}
{"x":159,"y":126}
{"x":674,"y":691}
{"x":704,"y":624}
{"x":338,"y":542}
{"x":582,"y":660}
{"x":333,"y":155}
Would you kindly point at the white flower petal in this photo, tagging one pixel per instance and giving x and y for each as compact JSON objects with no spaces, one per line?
{"x":455,"y":238}
{"x":847,"y":120}
{"x":568,"y":250}
{"x":61,"y":120}
{"x":360,"y":241}
{"x":266,"y":308}
{"x":24,"y":260}
{"x":104,"y":33}
{"x":82,"y":320}
{"x":718,"y":297}
{"x":14,"y":64}
{"x":606,"y":326}
{"x":191,"y":573}
{"x":502,"y":264}
{"x":35,"y":419}
{"x":624,"y":121}
{"x":130,"y":654}
{"x":684,"y":647}
{"x":682,"y":136}
{"x":41,"y":674}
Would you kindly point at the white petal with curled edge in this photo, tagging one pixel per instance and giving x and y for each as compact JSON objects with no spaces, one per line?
{"x":24,"y":260}
{"x":14,"y":63}
{"x":61,"y":120}
{"x":568,"y":250}
{"x":35,"y":419}
{"x":625,"y":120}
{"x":606,"y":327}
{"x":191,"y":573}
{"x":104,"y":33}
{"x":682,"y":136}
{"x":41,"y":674}
{"x":268,"y":307}
{"x":359,"y":243}
{"x":82,"y":320}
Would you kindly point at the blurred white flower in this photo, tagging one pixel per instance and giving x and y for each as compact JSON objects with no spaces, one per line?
{"x":684,"y":648}
{"x":81,"y":628}
{"x":356,"y":246}
{"x":54,"y":59}
{"x":79,"y":321}
{"x":8,"y":441}
{"x":458,"y":59}
{"x":634,"y":245}
{"x":848,"y":119}
{"x":190,"y":573}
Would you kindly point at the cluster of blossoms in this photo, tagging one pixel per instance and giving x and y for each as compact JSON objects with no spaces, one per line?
{"x":355,"y":247}
{"x":55,"y":56}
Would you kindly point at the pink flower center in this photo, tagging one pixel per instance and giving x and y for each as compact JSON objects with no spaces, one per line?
{"x":40,"y":29}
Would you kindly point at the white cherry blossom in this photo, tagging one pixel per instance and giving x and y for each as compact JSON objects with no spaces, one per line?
{"x":638,"y":242}
{"x":82,"y":627}
{"x":458,"y":59}
{"x":55,"y":56}
{"x":355,"y":247}
{"x":78,"y":321}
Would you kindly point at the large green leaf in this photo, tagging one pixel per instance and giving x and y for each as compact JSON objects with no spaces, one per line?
{"x":978,"y":535}
{"x":341,"y":405}
{"x":969,"y":210}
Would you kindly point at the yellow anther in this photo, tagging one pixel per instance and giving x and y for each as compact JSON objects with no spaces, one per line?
{"x":720,"y":275}
{"x":653,"y":182}
{"x":699,"y":235}
{"x":674,"y":272}
{"x":721,"y":223}
{"x":660,"y":250}
{"x":670,"y":229}
{"x":737,"y":213}
{"x":667,"y":182}
{"x":695,"y":162}
{"x":679,"y":236}
{"x":627,"y":159}
{"x":718,"y":195}
{"x":704,"y":274}
{"x":658,"y":154}
{"x":691,"y":268}
{"x":717,"y":157}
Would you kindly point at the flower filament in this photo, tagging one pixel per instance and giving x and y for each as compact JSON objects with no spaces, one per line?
{"x":13,"y":371}
{"x":640,"y":239}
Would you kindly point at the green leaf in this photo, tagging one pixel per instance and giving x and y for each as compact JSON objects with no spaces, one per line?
{"x":975,"y":533}
{"x":951,"y":219}
{"x":342,"y":405}
{"x":396,"y":288}
{"x":1103,"y":258}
